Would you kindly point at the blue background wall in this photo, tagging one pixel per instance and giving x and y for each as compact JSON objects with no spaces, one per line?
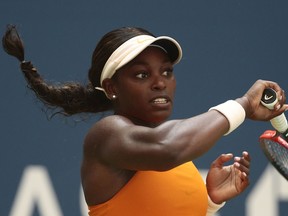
{"x":227,"y":46}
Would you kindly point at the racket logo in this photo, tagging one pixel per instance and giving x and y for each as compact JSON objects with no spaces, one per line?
{"x":267,"y":97}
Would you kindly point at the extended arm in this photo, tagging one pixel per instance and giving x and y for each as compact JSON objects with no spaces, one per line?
{"x":120,"y":143}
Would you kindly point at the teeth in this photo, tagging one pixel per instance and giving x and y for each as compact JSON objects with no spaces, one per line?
{"x":160,"y":100}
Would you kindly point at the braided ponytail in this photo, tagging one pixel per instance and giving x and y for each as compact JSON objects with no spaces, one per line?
{"x":71,"y":98}
{"x":12,"y":43}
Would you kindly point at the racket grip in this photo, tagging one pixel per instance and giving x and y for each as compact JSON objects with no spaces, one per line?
{"x":280,"y":123}
{"x":269,"y":99}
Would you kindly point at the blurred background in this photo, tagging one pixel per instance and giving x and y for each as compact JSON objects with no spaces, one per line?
{"x":227,"y":45}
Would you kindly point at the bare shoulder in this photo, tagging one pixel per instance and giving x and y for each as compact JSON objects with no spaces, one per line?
{"x":103,"y":130}
{"x":108,"y":125}
{"x":98,"y":174}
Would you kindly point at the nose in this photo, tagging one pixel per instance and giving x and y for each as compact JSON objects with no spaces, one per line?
{"x":158,"y":83}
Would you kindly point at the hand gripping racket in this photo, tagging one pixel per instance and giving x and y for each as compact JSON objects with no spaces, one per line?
{"x":274,"y":143}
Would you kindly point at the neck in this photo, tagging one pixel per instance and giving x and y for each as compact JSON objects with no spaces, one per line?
{"x":140,"y":122}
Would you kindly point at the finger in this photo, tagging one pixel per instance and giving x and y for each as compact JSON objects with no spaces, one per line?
{"x":223,"y":158}
{"x":244,"y":160}
{"x":273,"y":85}
{"x":244,"y":181}
{"x":281,"y":96}
{"x":242,"y":169}
{"x":281,"y":100}
{"x":246,"y":156}
{"x":243,"y":163}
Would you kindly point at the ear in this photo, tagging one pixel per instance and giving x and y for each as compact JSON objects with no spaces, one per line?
{"x":110,"y":88}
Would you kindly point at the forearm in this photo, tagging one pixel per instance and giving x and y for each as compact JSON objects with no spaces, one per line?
{"x":192,"y":137}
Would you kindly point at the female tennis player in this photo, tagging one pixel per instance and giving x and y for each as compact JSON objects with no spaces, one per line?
{"x":136,"y":161}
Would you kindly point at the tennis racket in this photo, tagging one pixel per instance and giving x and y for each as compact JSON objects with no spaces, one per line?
{"x":274,"y":143}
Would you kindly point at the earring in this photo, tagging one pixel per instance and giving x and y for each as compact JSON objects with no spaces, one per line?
{"x":114,"y":97}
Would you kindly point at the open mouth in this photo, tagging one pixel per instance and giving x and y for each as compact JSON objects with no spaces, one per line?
{"x":160,"y":101}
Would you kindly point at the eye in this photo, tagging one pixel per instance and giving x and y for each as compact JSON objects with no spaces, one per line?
{"x":168,"y":72}
{"x":142,"y":75}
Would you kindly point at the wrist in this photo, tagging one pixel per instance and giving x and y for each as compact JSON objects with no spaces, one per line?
{"x":213,"y":207}
{"x":244,"y":102}
{"x":234,"y":113}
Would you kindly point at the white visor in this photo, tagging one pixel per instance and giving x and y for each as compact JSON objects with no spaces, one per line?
{"x":133,"y":47}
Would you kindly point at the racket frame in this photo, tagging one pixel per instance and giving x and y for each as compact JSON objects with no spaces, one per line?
{"x":275,"y":137}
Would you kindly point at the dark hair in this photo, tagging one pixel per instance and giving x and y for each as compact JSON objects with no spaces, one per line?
{"x":71,"y":97}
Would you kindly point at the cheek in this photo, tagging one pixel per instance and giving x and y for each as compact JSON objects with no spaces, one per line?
{"x":132,"y":99}
{"x":171,"y":88}
{"x":136,"y":98}
{"x":129,"y":90}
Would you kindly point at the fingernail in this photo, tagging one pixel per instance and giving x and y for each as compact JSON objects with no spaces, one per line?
{"x":237,"y":164}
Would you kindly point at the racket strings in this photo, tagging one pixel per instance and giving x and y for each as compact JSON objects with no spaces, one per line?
{"x":278,"y":155}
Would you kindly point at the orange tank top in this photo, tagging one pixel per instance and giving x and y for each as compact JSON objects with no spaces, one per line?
{"x":178,"y":192}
